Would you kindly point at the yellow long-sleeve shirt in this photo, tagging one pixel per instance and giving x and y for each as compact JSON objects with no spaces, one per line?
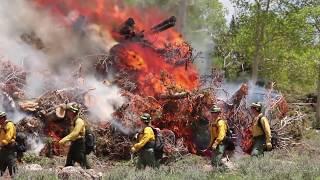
{"x":77,"y":132}
{"x":7,"y":133}
{"x":261,"y":129}
{"x":146,"y":136}
{"x":218,"y":131}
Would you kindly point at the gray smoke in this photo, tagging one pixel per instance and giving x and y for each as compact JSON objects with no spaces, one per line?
{"x":51,"y":53}
{"x":8,"y":105}
{"x":105,"y":99}
{"x":35,"y":144}
{"x":255,"y":94}
{"x":62,"y":48}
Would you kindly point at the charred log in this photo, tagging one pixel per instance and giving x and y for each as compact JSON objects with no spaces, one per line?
{"x":164,"y":25}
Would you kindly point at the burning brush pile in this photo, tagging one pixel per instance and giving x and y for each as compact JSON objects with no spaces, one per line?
{"x":143,"y":65}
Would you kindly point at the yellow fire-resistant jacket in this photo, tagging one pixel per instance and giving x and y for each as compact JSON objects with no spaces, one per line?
{"x":78,"y":132}
{"x":218,"y":131}
{"x":144,"y":138}
{"x":7,"y":133}
{"x":257,"y":130}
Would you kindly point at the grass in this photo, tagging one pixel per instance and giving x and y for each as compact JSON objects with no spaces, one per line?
{"x":301,"y":162}
{"x":188,"y":168}
{"x":32,"y":158}
{"x":36,"y":175}
{"x":276,"y":166}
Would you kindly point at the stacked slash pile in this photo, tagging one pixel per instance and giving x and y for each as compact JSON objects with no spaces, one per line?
{"x":159,"y":80}
{"x":12,"y":78}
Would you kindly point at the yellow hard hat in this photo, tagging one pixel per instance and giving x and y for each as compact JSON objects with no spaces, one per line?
{"x":146,"y":117}
{"x":74,"y":107}
{"x":257,"y":106}
{"x":2,"y":114}
{"x":215,"y":109}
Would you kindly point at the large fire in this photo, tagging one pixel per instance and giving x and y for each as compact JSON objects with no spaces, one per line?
{"x":152,"y":72}
{"x":156,"y":58}
{"x":147,"y":65}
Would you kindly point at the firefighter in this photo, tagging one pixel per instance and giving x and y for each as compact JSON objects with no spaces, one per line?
{"x":77,"y":150}
{"x":218,"y":132}
{"x":145,"y":146}
{"x":260,"y":130}
{"x":7,"y":145}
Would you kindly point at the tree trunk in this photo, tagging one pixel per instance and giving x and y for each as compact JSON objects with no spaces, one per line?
{"x":260,"y":26}
{"x":317,"y":123}
{"x":182,"y":15}
{"x":256,"y":56}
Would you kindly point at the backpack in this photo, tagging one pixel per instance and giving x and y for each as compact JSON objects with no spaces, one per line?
{"x":90,"y":140}
{"x":230,"y":146}
{"x":159,"y":143}
{"x":21,"y":143}
{"x":274,"y":135}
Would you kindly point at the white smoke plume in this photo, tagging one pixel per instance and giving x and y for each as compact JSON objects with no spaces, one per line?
{"x":62,"y":47}
{"x":256,"y":93}
{"x":8,"y":105}
{"x":35,"y":144}
{"x":53,"y":65}
{"x":104,"y":99}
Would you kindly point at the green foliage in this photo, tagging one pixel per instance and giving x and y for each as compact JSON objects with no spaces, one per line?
{"x":32,"y":158}
{"x":206,"y":17}
{"x":289,"y":47}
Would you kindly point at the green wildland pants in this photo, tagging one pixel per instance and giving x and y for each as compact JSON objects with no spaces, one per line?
{"x":258,"y":145}
{"x":8,"y":159}
{"x":77,"y":153}
{"x":217,"y":155}
{"x":147,"y":158}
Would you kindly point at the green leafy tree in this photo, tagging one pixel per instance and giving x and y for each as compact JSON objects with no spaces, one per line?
{"x":283,"y":44}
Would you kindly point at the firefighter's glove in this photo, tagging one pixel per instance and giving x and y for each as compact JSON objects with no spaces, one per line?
{"x":62,"y":142}
{"x":133,"y":150}
{"x":136,"y":136}
{"x":269,"y":146}
{"x":214,"y":146}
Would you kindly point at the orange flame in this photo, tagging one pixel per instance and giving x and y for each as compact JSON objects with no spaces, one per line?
{"x":152,"y":72}
{"x":110,"y":14}
{"x":144,"y":60}
{"x":151,"y":68}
